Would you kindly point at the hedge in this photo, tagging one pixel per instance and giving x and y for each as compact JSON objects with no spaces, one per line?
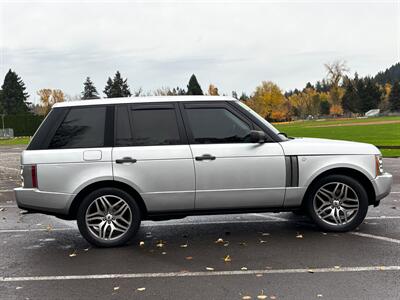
{"x":23,"y":125}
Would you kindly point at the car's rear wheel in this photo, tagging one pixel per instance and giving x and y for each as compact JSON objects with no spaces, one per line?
{"x":337,"y":203}
{"x":108,"y":217}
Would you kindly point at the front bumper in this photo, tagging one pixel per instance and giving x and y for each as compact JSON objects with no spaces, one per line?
{"x":382,"y":185}
{"x":49,"y":202}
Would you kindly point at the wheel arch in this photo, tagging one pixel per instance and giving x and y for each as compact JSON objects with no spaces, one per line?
{"x":346,"y":171}
{"x":73,"y":209}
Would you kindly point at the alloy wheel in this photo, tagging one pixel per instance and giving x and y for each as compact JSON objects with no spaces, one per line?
{"x":108,"y":217}
{"x":336,"y":203}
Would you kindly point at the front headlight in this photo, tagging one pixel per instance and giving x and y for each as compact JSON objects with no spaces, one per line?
{"x":378,"y":165}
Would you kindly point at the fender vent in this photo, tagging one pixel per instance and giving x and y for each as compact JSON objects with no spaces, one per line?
{"x":292,"y":171}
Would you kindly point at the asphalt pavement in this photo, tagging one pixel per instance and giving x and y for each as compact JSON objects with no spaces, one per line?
{"x":246,"y":256}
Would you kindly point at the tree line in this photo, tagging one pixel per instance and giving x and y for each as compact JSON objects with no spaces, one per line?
{"x":337,"y":94}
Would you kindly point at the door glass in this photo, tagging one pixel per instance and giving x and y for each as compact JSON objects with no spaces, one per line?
{"x":83,"y":127}
{"x":123,"y":135}
{"x":217,"y":125}
{"x":155,"y":127}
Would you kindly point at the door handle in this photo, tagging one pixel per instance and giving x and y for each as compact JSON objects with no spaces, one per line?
{"x":125,"y":160}
{"x":205,"y":157}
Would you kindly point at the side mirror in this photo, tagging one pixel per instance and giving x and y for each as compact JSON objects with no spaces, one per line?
{"x":257,"y":136}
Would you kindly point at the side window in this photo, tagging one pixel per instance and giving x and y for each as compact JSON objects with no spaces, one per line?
{"x":155,"y":127}
{"x":83,"y":127}
{"x":217,"y":125}
{"x":123,"y":134}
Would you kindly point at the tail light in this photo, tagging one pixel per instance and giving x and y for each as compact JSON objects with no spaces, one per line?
{"x":34,"y":176}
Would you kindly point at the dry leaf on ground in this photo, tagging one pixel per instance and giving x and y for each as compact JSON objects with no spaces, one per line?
{"x":141,"y":289}
{"x":227,"y":258}
{"x":209,"y":269}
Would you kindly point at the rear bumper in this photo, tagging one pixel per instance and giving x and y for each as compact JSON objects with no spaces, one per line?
{"x":382,"y":185}
{"x":48,"y":202}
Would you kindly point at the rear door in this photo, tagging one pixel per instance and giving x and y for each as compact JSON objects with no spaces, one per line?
{"x":152,"y":155}
{"x":232,"y":172}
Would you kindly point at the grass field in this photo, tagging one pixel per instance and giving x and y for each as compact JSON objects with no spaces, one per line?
{"x":378,"y":131}
{"x":382,"y":131}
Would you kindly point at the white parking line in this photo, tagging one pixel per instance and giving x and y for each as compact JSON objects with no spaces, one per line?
{"x":272,"y":217}
{"x":198,"y":274}
{"x":376,"y":237}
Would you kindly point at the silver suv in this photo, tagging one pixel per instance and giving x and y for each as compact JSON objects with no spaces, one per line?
{"x":111,"y":163}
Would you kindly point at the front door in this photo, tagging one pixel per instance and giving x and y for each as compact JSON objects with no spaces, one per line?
{"x":232,"y":172}
{"x":152,"y":155}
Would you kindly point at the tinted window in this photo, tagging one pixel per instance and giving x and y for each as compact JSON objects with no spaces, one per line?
{"x":83,"y":127}
{"x":123,"y":135}
{"x":155,"y":127}
{"x":217,"y":125}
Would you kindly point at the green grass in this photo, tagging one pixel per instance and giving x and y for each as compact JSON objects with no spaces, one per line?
{"x":377,"y":134}
{"x":23,"y":140}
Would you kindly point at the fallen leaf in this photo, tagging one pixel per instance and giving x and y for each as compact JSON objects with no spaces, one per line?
{"x":141,"y":244}
{"x":262,"y":241}
{"x":227,"y":258}
{"x":160,"y":244}
{"x":310,"y":271}
{"x":272,"y":297}
{"x":226,"y":244}
{"x":116,"y":288}
{"x":86,"y":249}
{"x":141,"y":289}
{"x":262,"y":296}
{"x":49,"y":228}
{"x":243,"y":268}
{"x":246,"y":297}
{"x":337,"y":267}
{"x":73,"y":254}
{"x":219,"y":241}
{"x":265,"y":234}
{"x":299,"y":236}
{"x":324,"y":233}
{"x":163,"y":253}
{"x":2,"y":209}
{"x":259,"y":275}
{"x":209,"y":269}
{"x":18,"y":287}
{"x":184,"y":245}
{"x":243,"y":244}
{"x":188,"y":257}
{"x":319,"y":296}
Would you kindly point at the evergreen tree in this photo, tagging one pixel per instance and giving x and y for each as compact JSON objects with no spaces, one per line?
{"x":350,"y":100}
{"x":193,"y":88}
{"x":394,"y":98}
{"x":324,"y":107}
{"x":13,"y":97}
{"x":370,"y":95}
{"x":235,"y":95}
{"x":89,"y":90}
{"x":117,"y":87}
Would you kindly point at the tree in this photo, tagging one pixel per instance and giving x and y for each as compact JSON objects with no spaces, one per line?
{"x":89,"y":90}
{"x":370,"y":95}
{"x":324,"y":107}
{"x":13,"y":97}
{"x":351,"y":99}
{"x":306,"y":102}
{"x":269,"y":102}
{"x":117,"y":87}
{"x":394,"y":98}
{"x":193,"y":87}
{"x":335,"y":74}
{"x":48,"y":98}
{"x":235,"y":95}
{"x":213,"y":90}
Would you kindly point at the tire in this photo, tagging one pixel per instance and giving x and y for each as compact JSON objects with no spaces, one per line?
{"x":108,"y":217}
{"x":337,"y":203}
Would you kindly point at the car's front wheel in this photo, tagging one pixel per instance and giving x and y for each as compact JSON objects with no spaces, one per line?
{"x":337,"y":203}
{"x":108,"y":217}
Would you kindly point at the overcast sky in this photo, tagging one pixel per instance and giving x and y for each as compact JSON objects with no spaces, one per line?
{"x":232,"y":44}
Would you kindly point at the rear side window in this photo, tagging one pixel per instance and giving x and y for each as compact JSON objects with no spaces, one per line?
{"x":152,"y":127}
{"x":217,"y":125}
{"x":83,"y":127}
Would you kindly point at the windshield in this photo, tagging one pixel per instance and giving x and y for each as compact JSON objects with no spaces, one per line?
{"x":261,"y":119}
